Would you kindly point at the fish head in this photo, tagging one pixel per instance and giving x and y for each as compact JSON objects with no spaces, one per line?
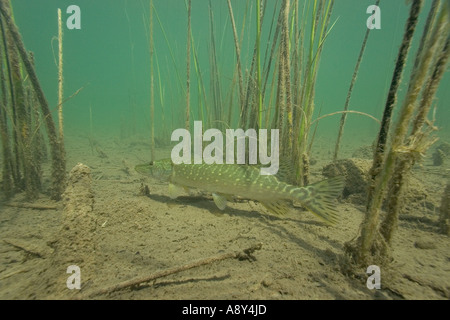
{"x":159,"y":169}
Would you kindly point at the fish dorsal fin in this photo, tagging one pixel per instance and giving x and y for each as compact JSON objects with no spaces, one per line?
{"x":220,"y":201}
{"x":175,"y":191}
{"x":280,"y":207}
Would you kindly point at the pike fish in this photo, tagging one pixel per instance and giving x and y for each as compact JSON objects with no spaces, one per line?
{"x":227,"y":180}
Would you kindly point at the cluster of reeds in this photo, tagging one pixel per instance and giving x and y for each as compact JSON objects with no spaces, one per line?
{"x":278,"y":88}
{"x":23,"y":108}
{"x":399,"y":148}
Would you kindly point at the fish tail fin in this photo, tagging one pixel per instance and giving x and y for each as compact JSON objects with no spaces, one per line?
{"x":319,"y":198}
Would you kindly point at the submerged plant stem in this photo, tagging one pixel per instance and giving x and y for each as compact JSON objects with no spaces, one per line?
{"x":58,"y":161}
{"x":382,"y":171}
{"x":238,"y":56}
{"x":188,"y":66}
{"x":60,"y":78}
{"x":152,"y":89}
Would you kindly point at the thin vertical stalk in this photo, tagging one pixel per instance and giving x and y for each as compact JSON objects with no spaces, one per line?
{"x":60,"y":78}
{"x":287,"y":74}
{"x":350,"y":90}
{"x":258,"y":60}
{"x":14,"y":164}
{"x":7,"y":165}
{"x":214,"y":71}
{"x":152,"y":88}
{"x":188,"y":65}
{"x":238,"y":55}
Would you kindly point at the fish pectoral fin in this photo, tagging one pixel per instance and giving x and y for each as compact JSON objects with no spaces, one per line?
{"x":220,"y":200}
{"x":280,"y":207}
{"x":175,"y":191}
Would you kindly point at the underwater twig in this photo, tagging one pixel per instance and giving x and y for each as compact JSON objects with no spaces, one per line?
{"x":30,"y":247}
{"x":31,"y":206}
{"x":13,"y":273}
{"x":38,"y":126}
{"x":347,"y":111}
{"x":246,"y":254}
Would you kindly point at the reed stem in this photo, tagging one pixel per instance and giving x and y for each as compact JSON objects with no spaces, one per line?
{"x":60,"y":78}
{"x":382,"y":173}
{"x":258,"y":60}
{"x":418,"y":141}
{"x":58,"y":161}
{"x":392,"y":97}
{"x":4,"y":134}
{"x":188,"y":66}
{"x":152,"y":88}
{"x":238,"y":54}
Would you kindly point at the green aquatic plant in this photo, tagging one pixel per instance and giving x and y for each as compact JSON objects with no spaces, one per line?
{"x":152,"y":87}
{"x":277,"y":91}
{"x":188,"y":66}
{"x":238,"y":52}
{"x":22,"y":162}
{"x":60,"y":78}
{"x":7,"y":170}
{"x":304,"y":92}
{"x":291,"y":72}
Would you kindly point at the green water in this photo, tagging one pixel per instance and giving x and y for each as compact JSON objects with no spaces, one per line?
{"x":117,"y":225}
{"x":109,"y":57}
